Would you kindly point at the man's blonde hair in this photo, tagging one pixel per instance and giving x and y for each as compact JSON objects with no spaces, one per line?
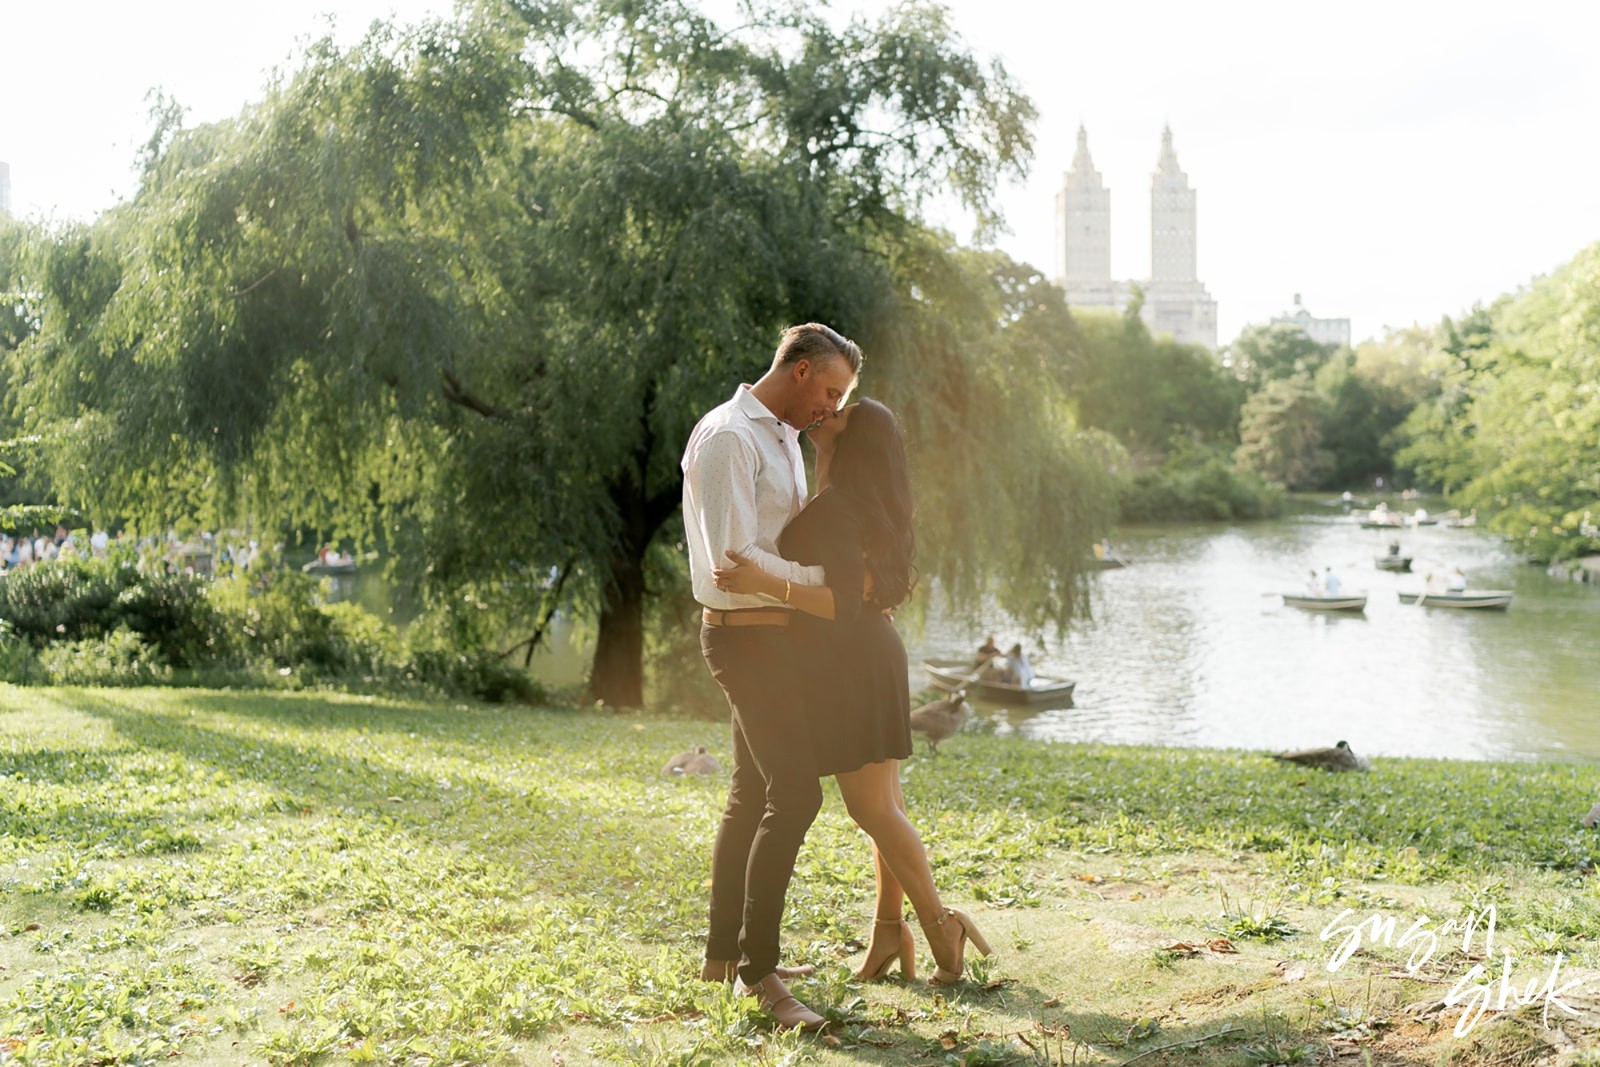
{"x":817,"y":343}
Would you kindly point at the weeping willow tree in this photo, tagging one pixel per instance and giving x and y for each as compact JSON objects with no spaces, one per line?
{"x":467,"y":286}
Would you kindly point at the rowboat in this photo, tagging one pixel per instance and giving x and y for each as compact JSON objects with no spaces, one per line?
{"x":322,"y":566}
{"x":1482,"y":598}
{"x":1392,"y":563}
{"x":1355,"y":602}
{"x":1107,"y":563}
{"x":1386,"y":524}
{"x":950,"y":675}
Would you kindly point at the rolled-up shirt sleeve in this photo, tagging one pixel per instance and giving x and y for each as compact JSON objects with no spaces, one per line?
{"x":722,"y":489}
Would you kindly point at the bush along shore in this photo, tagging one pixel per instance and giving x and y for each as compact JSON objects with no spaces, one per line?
{"x":299,"y":878}
{"x":120,"y":620}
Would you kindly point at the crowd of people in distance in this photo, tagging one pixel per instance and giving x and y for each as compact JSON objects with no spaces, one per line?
{"x":203,"y":554}
{"x":20,"y":551}
{"x":1011,"y":668}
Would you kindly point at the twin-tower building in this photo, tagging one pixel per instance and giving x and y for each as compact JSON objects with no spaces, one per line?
{"x":1175,"y":300}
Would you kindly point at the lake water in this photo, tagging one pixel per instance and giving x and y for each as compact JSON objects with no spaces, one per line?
{"x":1189,"y":646}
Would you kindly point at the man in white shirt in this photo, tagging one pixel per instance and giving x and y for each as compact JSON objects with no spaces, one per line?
{"x":743,"y":480}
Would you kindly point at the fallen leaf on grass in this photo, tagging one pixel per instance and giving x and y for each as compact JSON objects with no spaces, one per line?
{"x":948,"y":1040}
{"x":1220,"y":944}
{"x":831,"y":1041}
{"x":1052,"y":1002}
{"x":998,"y":983}
{"x":1093,"y":879}
{"x":1188,"y":948}
{"x":557,"y":1058}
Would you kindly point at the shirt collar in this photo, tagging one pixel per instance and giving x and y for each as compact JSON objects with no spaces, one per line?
{"x":752,"y":408}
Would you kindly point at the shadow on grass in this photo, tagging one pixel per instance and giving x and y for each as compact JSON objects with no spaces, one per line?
{"x":564,"y":837}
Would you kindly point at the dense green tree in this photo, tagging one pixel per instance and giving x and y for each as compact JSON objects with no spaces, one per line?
{"x":1152,"y":392}
{"x":23,"y":499}
{"x":1262,"y":354}
{"x":1439,"y":438}
{"x":468,"y":286}
{"x":1514,"y":426}
{"x":1536,"y":410}
{"x":1405,"y":363}
{"x":1280,"y":434}
{"x":1361,"y":416}
{"x":1174,"y":409}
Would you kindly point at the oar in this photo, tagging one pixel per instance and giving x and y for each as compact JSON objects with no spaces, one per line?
{"x":940,"y":683}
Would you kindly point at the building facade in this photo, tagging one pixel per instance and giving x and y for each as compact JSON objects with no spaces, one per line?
{"x":1322,"y":331}
{"x":1083,"y":236}
{"x":1175,"y":300}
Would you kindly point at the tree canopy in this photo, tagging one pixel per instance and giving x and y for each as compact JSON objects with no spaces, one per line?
{"x":465,"y":288}
{"x":1516,"y":423}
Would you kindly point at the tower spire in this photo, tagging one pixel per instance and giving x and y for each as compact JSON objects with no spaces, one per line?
{"x":1081,"y":160}
{"x":1083,"y":221}
{"x":1172,"y":218}
{"x":1167,"y":161}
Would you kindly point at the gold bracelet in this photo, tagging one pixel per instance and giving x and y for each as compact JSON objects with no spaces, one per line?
{"x":788,"y":587}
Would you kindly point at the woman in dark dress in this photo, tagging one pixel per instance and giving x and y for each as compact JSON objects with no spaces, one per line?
{"x":858,"y":529}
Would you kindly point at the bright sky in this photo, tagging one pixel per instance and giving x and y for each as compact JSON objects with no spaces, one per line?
{"x":1390,"y":161}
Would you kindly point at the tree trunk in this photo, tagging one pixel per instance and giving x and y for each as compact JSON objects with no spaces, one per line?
{"x":618,"y":674}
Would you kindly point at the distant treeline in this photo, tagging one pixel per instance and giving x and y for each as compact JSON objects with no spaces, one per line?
{"x":1499,"y":409}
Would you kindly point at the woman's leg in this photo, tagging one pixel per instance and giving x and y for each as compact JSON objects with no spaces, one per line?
{"x":872,"y":796}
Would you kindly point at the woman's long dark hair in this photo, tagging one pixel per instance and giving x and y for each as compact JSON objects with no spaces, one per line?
{"x":869,"y":467}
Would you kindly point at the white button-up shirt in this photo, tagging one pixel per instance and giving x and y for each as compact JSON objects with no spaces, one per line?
{"x":743,"y":480}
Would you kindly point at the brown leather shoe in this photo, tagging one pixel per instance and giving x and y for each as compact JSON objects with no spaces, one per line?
{"x":787,"y":1011}
{"x":728,"y":970}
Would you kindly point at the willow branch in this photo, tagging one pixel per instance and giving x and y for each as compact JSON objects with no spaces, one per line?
{"x":455,"y":393}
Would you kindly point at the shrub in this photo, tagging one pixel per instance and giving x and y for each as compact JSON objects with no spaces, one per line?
{"x":172,"y":613}
{"x":273,"y":616}
{"x":117,"y":658}
{"x":64,"y":599}
{"x":18,"y":663}
{"x":1197,"y":484}
{"x":102,"y":622}
{"x":480,"y":674}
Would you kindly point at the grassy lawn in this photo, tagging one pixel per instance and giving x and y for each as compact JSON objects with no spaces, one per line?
{"x":227,"y":878}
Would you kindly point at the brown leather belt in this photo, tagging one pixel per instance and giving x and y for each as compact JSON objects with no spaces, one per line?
{"x":747,"y":617}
